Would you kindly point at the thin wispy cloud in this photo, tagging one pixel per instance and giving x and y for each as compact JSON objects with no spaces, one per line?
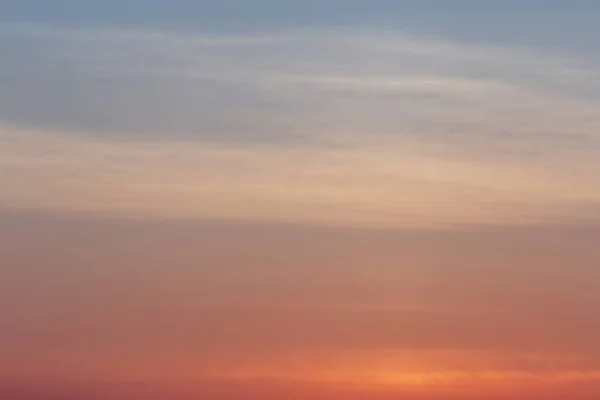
{"x":194,"y":84}
{"x":367,"y":127}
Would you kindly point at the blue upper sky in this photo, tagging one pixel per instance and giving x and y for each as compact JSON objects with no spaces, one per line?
{"x":51,"y":78}
{"x":527,"y":21}
{"x":495,"y":102}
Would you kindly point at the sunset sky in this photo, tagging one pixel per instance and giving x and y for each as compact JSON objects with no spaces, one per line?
{"x":299,"y":200}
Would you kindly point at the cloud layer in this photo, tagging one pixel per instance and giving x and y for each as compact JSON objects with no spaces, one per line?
{"x":322,"y":126}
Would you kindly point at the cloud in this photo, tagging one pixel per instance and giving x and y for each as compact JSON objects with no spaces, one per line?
{"x":329,"y":126}
{"x":289,"y":86}
{"x":368,"y":185}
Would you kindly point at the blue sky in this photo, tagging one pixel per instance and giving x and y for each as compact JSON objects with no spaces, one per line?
{"x":482,"y":89}
{"x":528,"y":20}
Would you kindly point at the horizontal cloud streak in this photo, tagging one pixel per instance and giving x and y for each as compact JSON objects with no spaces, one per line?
{"x":281,"y":87}
{"x":408,"y":184}
{"x":332,"y":126}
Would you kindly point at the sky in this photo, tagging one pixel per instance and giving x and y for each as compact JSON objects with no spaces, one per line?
{"x":267,"y":200}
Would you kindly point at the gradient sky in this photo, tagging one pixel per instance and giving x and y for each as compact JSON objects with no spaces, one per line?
{"x":299,"y":199}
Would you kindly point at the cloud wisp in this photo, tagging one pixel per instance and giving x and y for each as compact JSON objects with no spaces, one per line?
{"x":355,"y":127}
